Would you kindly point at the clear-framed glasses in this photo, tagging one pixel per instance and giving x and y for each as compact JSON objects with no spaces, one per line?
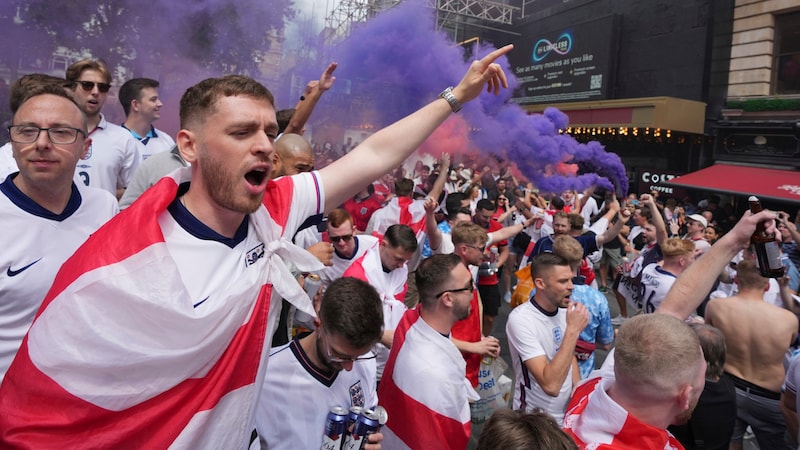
{"x":26,"y":134}
{"x":336,"y":357}
{"x":470,"y":288}
{"x":89,"y":85}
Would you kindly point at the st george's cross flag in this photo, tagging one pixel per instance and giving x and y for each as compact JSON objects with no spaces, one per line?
{"x":405,"y":211}
{"x":424,"y":390}
{"x":120,"y":356}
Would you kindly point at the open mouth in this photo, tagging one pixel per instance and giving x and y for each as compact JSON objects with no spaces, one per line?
{"x":256,"y":177}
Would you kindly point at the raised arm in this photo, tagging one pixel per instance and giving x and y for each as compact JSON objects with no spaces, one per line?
{"x":613,"y":230}
{"x":658,"y":218}
{"x":444,"y":170}
{"x":551,"y":374}
{"x":783,"y":218}
{"x":304,"y":107}
{"x":434,"y":233}
{"x":695,"y":282}
{"x":389,"y":147}
{"x":511,"y":230}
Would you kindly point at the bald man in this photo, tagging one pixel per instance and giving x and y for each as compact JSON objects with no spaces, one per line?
{"x":293,"y":155}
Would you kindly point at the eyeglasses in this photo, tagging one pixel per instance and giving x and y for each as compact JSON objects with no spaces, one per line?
{"x":480,"y":249}
{"x":26,"y":134}
{"x":470,"y":288}
{"x":345,"y":238}
{"x":335,"y":357}
{"x":89,"y":85}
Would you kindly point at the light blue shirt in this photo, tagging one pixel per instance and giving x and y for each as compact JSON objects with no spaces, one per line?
{"x":599,"y":329}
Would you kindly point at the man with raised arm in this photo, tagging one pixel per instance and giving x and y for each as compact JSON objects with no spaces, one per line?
{"x":155,"y":332}
{"x":655,"y":375}
{"x":755,"y":355}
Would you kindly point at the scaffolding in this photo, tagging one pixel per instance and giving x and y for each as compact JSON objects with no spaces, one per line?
{"x":451,"y":15}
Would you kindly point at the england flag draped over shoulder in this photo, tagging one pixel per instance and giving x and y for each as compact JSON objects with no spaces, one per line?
{"x":118,"y":357}
{"x":424,"y":390}
{"x":405,"y":211}
{"x":402,"y":210}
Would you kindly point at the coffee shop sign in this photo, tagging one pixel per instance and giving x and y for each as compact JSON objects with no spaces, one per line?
{"x":653,"y":181}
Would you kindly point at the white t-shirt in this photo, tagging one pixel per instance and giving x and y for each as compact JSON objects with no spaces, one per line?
{"x":531,"y":334}
{"x":654,"y":286}
{"x":296,"y":397}
{"x":111,"y":160}
{"x":35,"y":244}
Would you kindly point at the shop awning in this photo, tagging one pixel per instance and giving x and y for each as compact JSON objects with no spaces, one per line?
{"x":774,"y":184}
{"x":665,"y":113}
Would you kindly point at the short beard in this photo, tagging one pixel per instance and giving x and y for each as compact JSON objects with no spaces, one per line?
{"x":683,"y":418}
{"x":221,"y":187}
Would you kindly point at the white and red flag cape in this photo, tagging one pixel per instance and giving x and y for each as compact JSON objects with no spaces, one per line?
{"x":405,"y":211}
{"x":118,"y":357}
{"x":424,"y":390}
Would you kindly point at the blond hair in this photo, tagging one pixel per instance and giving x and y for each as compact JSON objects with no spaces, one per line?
{"x":677,"y":247}
{"x":656,"y":353}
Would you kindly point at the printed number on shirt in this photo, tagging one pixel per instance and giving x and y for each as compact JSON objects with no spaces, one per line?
{"x":645,"y":300}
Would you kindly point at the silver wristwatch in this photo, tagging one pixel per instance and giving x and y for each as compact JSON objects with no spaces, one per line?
{"x":451,"y":99}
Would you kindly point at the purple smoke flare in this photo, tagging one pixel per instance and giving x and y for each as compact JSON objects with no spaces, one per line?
{"x":396,"y":63}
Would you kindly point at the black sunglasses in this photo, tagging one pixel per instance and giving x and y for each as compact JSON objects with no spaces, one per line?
{"x":346,"y":238}
{"x":89,"y":85}
{"x":470,"y":288}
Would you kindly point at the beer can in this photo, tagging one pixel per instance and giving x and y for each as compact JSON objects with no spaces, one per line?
{"x":311,"y":285}
{"x":335,"y":429}
{"x":352,"y":417}
{"x":383,"y":416}
{"x":366,"y":424}
{"x":626,"y":265}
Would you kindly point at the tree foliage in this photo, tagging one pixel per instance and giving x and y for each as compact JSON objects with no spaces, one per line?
{"x":219,"y":36}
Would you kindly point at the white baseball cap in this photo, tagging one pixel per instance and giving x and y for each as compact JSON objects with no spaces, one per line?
{"x":699,"y":218}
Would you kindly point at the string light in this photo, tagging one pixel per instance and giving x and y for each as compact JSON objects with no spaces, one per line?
{"x":630,"y":134}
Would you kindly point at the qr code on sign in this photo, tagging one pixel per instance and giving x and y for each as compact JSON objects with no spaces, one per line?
{"x":596,"y":82}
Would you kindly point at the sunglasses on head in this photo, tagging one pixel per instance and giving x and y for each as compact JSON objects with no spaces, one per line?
{"x":346,"y":238}
{"x":89,"y":85}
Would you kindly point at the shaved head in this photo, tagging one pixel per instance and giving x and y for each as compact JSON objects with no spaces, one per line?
{"x":293,"y":155}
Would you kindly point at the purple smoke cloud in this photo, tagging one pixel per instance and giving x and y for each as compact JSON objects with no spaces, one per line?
{"x":398,"y":63}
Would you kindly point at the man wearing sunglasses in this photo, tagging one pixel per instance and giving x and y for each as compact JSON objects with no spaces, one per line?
{"x":330,"y":366}
{"x":424,"y":389}
{"x":347,"y":246}
{"x":114,"y":154}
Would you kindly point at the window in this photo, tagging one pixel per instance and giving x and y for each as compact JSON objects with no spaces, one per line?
{"x":787,"y":54}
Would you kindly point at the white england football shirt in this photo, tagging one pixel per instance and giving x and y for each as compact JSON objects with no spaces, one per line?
{"x":208,"y":261}
{"x":296,"y":397}
{"x":340,"y":263}
{"x":532,"y":333}
{"x":35,"y":243}
{"x":156,"y":141}
{"x":111,"y":160}
{"x":8,"y":164}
